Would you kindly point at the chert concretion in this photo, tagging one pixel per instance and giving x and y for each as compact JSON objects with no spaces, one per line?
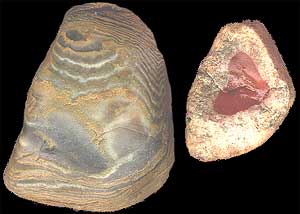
{"x":98,"y":130}
{"x":240,"y":96}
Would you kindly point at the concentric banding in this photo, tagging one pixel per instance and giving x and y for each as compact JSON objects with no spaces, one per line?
{"x":98,"y":131}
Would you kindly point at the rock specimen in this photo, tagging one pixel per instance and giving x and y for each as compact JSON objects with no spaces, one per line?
{"x":98,"y":130}
{"x":240,"y":96}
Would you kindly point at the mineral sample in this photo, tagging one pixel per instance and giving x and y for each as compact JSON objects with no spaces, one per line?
{"x":98,"y":130}
{"x":240,"y":96}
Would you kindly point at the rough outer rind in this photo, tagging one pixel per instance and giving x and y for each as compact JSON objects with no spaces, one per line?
{"x":98,"y":130}
{"x":211,"y":136}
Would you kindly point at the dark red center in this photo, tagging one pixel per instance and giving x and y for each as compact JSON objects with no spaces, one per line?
{"x":244,"y":89}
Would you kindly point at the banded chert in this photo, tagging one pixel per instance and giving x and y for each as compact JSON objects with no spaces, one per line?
{"x":98,"y":132}
{"x":240,"y":96}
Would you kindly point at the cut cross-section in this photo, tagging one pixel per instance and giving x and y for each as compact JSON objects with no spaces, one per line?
{"x":241,"y":94}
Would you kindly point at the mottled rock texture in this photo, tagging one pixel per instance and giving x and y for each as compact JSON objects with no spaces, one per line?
{"x":98,"y":130}
{"x":240,"y":96}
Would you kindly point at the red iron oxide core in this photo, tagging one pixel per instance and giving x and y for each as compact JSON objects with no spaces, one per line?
{"x":244,"y":89}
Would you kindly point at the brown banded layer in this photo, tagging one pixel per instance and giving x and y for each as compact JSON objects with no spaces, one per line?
{"x":98,"y":129}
